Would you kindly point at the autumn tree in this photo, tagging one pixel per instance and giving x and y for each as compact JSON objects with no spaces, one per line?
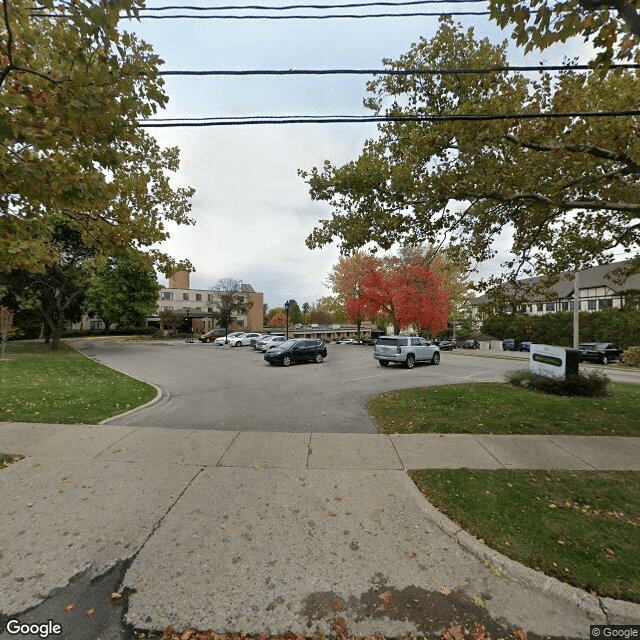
{"x":123,"y":291}
{"x":611,"y":27}
{"x":345,"y":279}
{"x":72,"y":90}
{"x":6,"y":327}
{"x":230,"y":302}
{"x":278,"y":319}
{"x":567,"y":189}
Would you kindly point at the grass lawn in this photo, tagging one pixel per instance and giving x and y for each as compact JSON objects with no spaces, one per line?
{"x":503,"y":409}
{"x":581,"y":527}
{"x":38,"y":385}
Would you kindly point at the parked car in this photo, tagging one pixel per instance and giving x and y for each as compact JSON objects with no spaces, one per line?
{"x":297,"y":350}
{"x":370,"y":342}
{"x":243,"y":340}
{"x":509,"y":345}
{"x":470,"y":344}
{"x":602,"y":352}
{"x":269,"y":342}
{"x":230,"y":336}
{"x":260,"y":336}
{"x":525,"y":346}
{"x":210,"y":336}
{"x":446,"y":345}
{"x":347,"y":341}
{"x":405,"y":349}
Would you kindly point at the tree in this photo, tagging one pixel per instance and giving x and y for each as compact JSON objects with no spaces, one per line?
{"x":406,"y":294}
{"x":568,"y":189}
{"x":57,"y":293}
{"x":295,"y":315}
{"x":345,"y":279}
{"x":124,"y":291}
{"x":6,"y":326}
{"x":278,"y":319}
{"x":612,"y":27}
{"x":230,"y":302}
{"x":72,"y":89}
{"x":169,"y":320}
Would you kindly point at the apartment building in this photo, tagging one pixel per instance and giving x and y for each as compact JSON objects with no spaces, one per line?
{"x":196,"y":305}
{"x":598,"y":288}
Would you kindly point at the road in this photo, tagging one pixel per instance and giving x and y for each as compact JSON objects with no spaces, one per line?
{"x":224,"y":388}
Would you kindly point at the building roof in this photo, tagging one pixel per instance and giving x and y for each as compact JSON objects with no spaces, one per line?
{"x":598,"y":276}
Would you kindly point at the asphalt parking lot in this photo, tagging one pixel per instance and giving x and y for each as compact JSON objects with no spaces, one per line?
{"x":224,"y":388}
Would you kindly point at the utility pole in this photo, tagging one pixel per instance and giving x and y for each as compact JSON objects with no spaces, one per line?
{"x":576,"y":310}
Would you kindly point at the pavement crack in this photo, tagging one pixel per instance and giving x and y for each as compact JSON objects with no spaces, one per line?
{"x":488,"y":451}
{"x":224,"y":453}
{"x":309,"y":450}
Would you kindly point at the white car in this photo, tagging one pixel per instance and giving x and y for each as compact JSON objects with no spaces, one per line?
{"x":262,"y":336}
{"x":228,"y":338}
{"x":243,"y":340}
{"x":270,"y":341}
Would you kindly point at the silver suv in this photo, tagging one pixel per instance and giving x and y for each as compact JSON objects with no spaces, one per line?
{"x":405,"y":349}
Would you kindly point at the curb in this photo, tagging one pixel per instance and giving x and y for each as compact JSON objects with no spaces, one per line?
{"x":600,"y":610}
{"x":151,"y":402}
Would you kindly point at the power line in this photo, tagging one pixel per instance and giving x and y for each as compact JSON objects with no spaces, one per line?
{"x":387,"y":72}
{"x":218,"y":121}
{"x":283,"y":17}
{"x":350,"y":5}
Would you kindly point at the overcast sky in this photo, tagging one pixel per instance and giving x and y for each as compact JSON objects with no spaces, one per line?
{"x":252,"y":211}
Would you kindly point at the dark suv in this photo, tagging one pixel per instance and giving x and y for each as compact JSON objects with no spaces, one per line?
{"x":297,"y":350}
{"x":602,"y":352}
{"x":509,"y":345}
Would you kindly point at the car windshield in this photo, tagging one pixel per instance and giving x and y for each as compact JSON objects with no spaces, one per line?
{"x":287,"y":344}
{"x":587,"y":345}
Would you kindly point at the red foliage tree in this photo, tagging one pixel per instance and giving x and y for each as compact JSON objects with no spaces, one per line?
{"x":408,"y":294}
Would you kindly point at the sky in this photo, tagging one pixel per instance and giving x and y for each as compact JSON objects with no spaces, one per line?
{"x":252,"y":210}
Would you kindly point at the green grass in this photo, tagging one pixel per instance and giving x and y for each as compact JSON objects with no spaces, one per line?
{"x":8,"y":458}
{"x":581,"y":527}
{"x":38,"y":385}
{"x":503,"y":409}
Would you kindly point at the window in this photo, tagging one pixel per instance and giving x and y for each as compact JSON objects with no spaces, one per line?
{"x":166,"y":295}
{"x":210,"y":310}
{"x":96,"y":325}
{"x":198,"y":297}
{"x":605,"y":303}
{"x":551,"y":306}
{"x":210,"y":297}
{"x":591,"y":305}
{"x":565,"y":306}
{"x":185,"y":296}
{"x":240,"y":323}
{"x":539,"y":308}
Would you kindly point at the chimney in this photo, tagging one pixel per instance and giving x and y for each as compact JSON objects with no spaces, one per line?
{"x":179,"y":280}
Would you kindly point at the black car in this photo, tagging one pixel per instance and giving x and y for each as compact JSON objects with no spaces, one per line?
{"x":297,"y":350}
{"x":470,"y":344}
{"x":602,"y":352}
{"x":509,"y":345}
{"x":445,"y":345}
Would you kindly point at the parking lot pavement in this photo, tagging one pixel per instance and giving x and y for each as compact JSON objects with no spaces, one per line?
{"x":208,"y":387}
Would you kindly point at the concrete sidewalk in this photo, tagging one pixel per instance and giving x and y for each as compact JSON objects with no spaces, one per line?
{"x":269,"y":532}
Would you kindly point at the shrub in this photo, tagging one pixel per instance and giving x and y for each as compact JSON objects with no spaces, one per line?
{"x":631,"y":357}
{"x":592,"y":384}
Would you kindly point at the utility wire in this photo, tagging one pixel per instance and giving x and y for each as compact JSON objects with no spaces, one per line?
{"x":350,"y":5}
{"x":283,"y":17}
{"x":219,"y":121}
{"x":387,"y":72}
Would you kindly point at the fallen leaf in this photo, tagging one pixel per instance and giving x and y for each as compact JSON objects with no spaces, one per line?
{"x":520,"y":634}
{"x":610,"y":552}
{"x":452,"y":633}
{"x":332,"y":514}
{"x":69,"y":608}
{"x":116,"y":451}
{"x":29,"y":504}
{"x":256,"y":466}
{"x":552,"y":505}
{"x":90,"y":612}
{"x":386,"y":598}
{"x":116,"y":596}
{"x":446,"y":591}
{"x":478,"y":601}
{"x":336,"y":606}
{"x":562,"y":542}
{"x":413,"y":553}
{"x":186,"y":634}
{"x":224,"y":526}
{"x":480,"y":633}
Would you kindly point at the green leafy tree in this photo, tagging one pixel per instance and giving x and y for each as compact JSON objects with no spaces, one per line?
{"x":72,"y":89}
{"x":569,"y":190}
{"x":123,"y":291}
{"x":295,"y":315}
{"x":6,"y":326}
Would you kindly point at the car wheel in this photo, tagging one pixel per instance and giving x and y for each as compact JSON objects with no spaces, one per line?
{"x":238,"y":344}
{"x":318,"y":358}
{"x":411,"y":361}
{"x":286,"y":361}
{"x":605,"y":360}
{"x":384,"y":363}
{"x":436,"y":358}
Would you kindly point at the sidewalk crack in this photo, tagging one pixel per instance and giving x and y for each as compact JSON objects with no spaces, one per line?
{"x":224,"y":453}
{"x":488,"y":451}
{"x":572,"y":454}
{"x":309,"y":450}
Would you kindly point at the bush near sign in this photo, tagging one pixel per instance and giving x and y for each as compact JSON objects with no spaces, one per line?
{"x":553,"y":362}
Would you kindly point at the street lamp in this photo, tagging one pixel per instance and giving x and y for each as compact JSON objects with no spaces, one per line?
{"x":190,"y":338}
{"x":286,"y":310}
